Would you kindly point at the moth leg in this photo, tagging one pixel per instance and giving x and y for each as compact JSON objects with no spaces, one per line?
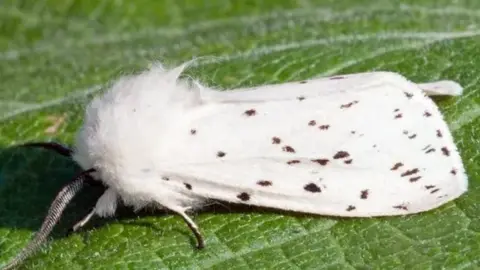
{"x":193,"y":227}
{"x":441,"y":88}
{"x":83,"y":221}
{"x":105,"y":207}
{"x":107,"y":203}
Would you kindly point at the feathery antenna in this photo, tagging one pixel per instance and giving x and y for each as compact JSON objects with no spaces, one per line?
{"x":61,"y":149}
{"x":54,"y":213}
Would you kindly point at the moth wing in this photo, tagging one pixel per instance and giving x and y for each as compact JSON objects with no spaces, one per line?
{"x":377,"y":148}
{"x":326,"y":86}
{"x":437,"y":88}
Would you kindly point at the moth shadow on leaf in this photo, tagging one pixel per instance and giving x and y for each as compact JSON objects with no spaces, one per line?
{"x":30,"y":179}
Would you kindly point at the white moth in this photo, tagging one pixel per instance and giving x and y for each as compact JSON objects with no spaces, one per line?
{"x":360,"y":145}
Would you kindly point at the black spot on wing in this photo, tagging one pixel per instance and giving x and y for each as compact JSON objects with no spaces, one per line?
{"x":341,"y":154}
{"x":445,"y":151}
{"x":431,"y":150}
{"x":311,"y":187}
{"x":291,"y":162}
{"x":336,"y":78}
{"x":264,"y":183}
{"x":348,"y":105}
{"x":220,"y":154}
{"x":348,"y":161}
{"x":312,"y":123}
{"x":193,"y":131}
{"x":409,"y":172}
{"x":350,"y":208}
{"x":321,"y":161}
{"x":364,"y":194}
{"x":250,"y":112}
{"x":276,"y":140}
{"x":414,"y":179}
{"x":439,"y":133}
{"x":243,"y":196}
{"x":401,"y":207}
{"x":188,"y":186}
{"x":288,"y":148}
{"x":324,"y":127}
{"x":300,"y":98}
{"x":428,"y":149}
{"x":396,"y":166}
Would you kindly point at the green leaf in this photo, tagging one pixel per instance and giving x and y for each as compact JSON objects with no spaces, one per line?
{"x":56,"y":54}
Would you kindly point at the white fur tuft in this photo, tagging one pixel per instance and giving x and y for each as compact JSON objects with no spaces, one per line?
{"x":127,"y":130}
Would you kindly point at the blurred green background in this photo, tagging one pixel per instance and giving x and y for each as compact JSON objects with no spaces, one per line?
{"x":56,"y":54}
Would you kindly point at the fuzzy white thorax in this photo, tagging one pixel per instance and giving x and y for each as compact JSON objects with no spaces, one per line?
{"x":123,"y":133}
